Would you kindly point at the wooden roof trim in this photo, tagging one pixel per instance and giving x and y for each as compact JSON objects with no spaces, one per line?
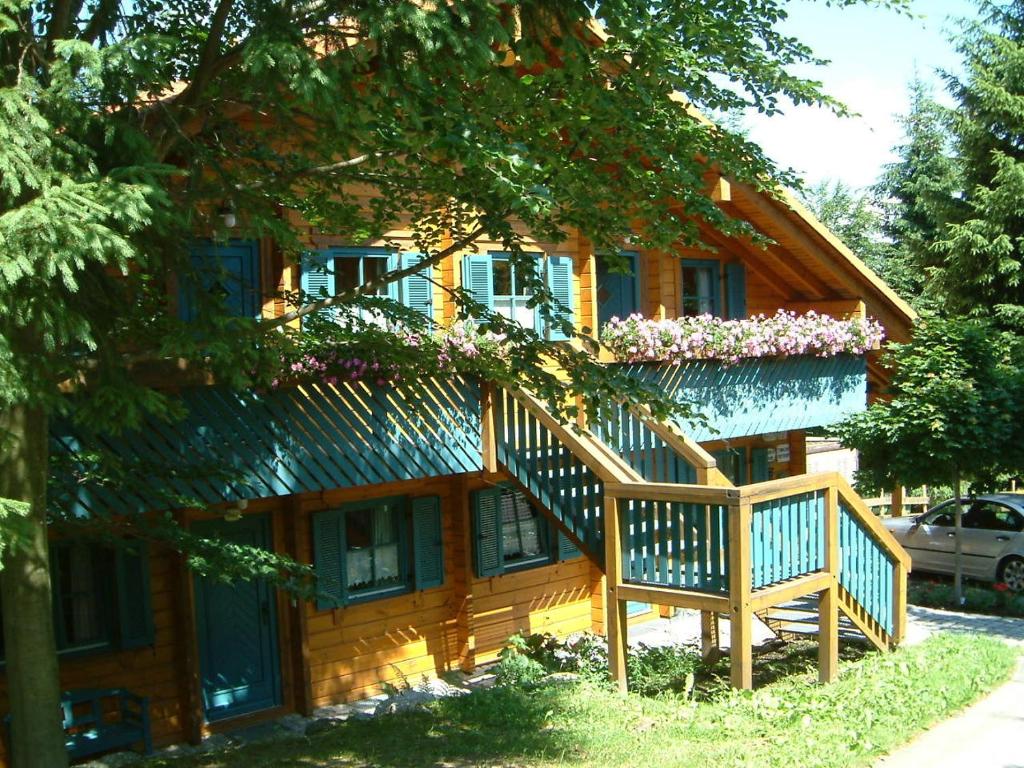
{"x":854,"y":262}
{"x":894,"y":313}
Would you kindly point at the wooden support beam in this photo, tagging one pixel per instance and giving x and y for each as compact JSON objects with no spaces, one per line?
{"x":896,"y":506}
{"x":740,"y":614}
{"x":488,"y":427}
{"x":616,"y":626}
{"x":297,"y":544}
{"x":788,"y":590}
{"x":828,"y":598}
{"x":185,"y":607}
{"x":678,"y":598}
{"x":709,"y":636}
{"x":899,"y":604}
{"x":844,"y":309}
{"x":462,"y":588}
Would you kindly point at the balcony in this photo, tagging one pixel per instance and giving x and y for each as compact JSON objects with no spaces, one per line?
{"x":762,"y":395}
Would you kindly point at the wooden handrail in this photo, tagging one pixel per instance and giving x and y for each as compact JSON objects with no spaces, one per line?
{"x":868,"y":519}
{"x":604,"y":463}
{"x":678,"y":492}
{"x":770,"y":490}
{"x":690,"y":450}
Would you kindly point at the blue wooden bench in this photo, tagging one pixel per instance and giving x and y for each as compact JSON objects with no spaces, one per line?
{"x":91,"y":727}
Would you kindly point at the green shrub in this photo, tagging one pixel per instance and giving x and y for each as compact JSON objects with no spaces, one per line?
{"x":516,"y":668}
{"x":654,"y":670}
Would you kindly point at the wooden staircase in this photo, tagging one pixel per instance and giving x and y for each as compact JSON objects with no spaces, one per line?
{"x":798,"y":552}
{"x":798,"y":619}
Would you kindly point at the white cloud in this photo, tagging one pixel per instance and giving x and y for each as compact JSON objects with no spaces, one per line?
{"x":819,"y":145}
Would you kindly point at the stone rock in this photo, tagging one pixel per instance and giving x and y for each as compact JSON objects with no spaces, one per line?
{"x":560,"y":678}
{"x":405,"y":701}
{"x":323,"y":725}
{"x":114,"y":760}
{"x":339,"y":712}
{"x":216,"y":742}
{"x":294,"y":723}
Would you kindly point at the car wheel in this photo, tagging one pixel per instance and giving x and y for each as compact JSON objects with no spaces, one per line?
{"x":1011,"y":573}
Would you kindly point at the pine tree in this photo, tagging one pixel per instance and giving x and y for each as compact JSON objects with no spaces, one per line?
{"x":979,"y":267}
{"x":916,"y":194}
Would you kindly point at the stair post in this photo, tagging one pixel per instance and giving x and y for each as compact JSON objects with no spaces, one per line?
{"x":828,"y":598}
{"x":616,"y":628}
{"x":488,"y":427}
{"x":740,"y":614}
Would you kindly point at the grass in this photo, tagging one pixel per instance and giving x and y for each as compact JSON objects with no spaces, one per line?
{"x":880,"y":702}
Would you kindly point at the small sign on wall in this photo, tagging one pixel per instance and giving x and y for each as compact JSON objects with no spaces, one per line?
{"x":771,"y":455}
{"x":782,"y":453}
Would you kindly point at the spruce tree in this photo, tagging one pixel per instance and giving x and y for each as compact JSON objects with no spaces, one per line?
{"x":978,"y":269}
{"x":916,"y":194}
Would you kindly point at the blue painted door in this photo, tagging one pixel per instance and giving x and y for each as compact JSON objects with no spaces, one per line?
{"x":618,"y":295}
{"x":237,"y":631}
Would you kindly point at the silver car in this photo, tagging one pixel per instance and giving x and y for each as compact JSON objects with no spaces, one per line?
{"x":992,"y":537}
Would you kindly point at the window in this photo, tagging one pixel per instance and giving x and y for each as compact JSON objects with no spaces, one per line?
{"x":510,"y":292}
{"x":501,"y":287}
{"x":988,"y":515}
{"x":82,"y":580}
{"x":101,"y":597}
{"x":511,"y":534}
{"x":374,"y":549}
{"x":701,"y":289}
{"x":943,"y":515}
{"x":335,"y":270}
{"x":732,"y":462}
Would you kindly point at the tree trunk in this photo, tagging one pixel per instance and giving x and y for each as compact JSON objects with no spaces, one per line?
{"x":33,"y":684}
{"x":958,"y":545}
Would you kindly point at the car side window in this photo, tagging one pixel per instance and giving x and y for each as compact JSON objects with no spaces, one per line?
{"x":990,"y":516}
{"x":941,"y":516}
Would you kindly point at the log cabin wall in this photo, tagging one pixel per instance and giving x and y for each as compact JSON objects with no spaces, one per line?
{"x":342,"y":654}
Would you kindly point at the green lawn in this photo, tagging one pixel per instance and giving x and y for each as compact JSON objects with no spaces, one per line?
{"x":880,"y":702}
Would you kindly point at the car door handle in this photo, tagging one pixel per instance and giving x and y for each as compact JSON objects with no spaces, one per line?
{"x":1002,"y":538}
{"x":951,"y":535}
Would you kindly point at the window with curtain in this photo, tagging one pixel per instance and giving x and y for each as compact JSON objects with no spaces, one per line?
{"x":510,"y":292}
{"x":373,"y":544}
{"x":701,"y":288}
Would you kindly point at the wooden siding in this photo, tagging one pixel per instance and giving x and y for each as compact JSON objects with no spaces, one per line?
{"x":348,"y":653}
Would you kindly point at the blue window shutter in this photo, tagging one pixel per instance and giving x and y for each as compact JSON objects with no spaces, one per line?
{"x":736,"y":290}
{"x":427,"y":538}
{"x":317,"y":279}
{"x":559,"y":279}
{"x":566,"y":549}
{"x":134,"y":606}
{"x":486,"y":505}
{"x":759,"y":465}
{"x":417,"y":290}
{"x":232,"y":268}
{"x":328,"y":558}
{"x":478,"y":278}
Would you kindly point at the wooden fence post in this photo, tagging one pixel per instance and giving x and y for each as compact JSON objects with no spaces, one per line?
{"x":828,"y":599}
{"x":616,"y":627}
{"x":740,"y":616}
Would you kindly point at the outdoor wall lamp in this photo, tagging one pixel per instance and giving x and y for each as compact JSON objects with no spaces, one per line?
{"x":234,"y":513}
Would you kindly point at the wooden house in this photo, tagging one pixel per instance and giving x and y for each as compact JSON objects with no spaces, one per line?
{"x":444,"y":517}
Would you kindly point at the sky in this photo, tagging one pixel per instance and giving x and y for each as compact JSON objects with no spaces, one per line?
{"x":874,"y":54}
